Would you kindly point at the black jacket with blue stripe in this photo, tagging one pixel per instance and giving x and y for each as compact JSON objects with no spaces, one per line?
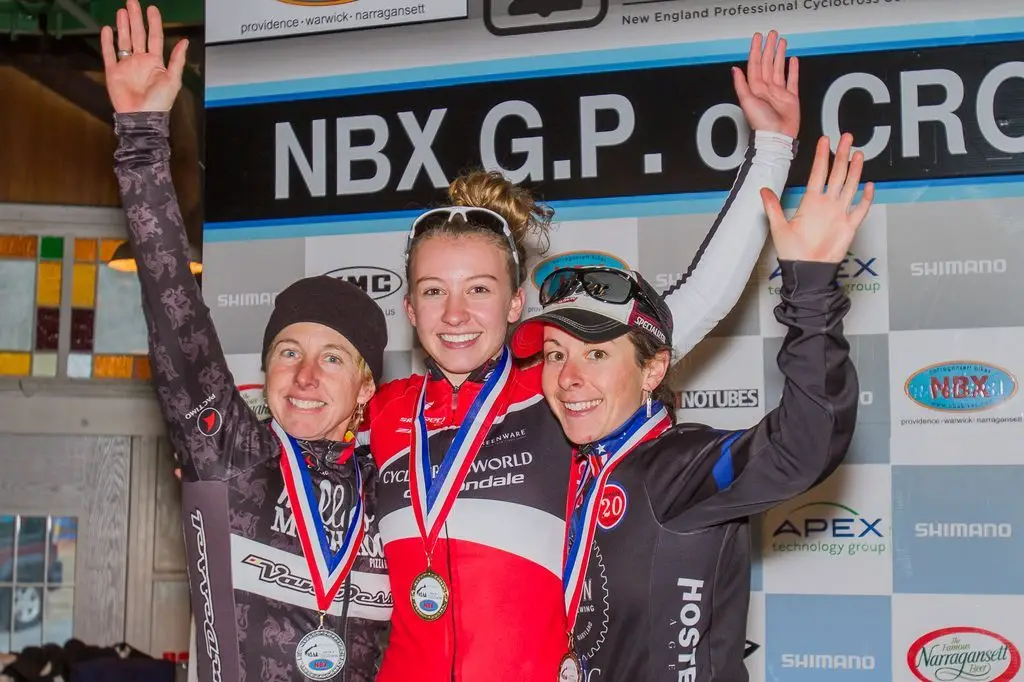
{"x":668,"y":583}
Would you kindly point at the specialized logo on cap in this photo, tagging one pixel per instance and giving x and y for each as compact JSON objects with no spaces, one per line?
{"x":209,"y":422}
{"x":575,"y":259}
{"x":638,"y":319}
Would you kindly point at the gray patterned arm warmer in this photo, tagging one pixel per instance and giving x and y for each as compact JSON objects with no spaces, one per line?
{"x":209,"y":423}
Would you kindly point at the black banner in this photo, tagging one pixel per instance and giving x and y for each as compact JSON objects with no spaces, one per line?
{"x":930,"y":113}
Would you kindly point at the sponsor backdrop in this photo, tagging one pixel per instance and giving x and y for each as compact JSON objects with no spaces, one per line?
{"x":906,"y":563}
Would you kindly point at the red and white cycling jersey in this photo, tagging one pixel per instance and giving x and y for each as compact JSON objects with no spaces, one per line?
{"x":500,"y":550}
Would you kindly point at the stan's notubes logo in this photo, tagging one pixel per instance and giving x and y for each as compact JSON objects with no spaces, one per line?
{"x":718,"y":398}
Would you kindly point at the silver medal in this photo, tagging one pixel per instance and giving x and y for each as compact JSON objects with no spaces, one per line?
{"x":320,"y":655}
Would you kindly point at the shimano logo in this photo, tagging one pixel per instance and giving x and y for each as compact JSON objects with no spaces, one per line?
{"x":246,"y":300}
{"x":828,"y":661}
{"x":718,"y":398}
{"x":963,"y":530}
{"x":202,"y":566}
{"x":952,"y":268}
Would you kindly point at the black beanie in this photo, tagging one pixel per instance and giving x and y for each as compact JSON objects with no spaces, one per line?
{"x":337,"y":304}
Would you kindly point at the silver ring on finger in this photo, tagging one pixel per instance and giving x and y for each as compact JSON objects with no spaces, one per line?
{"x":121,"y":54}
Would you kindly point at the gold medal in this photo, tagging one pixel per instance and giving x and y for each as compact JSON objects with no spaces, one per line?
{"x":429,"y":595}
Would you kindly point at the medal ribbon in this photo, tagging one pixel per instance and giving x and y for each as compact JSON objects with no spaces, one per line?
{"x":433,"y":496}
{"x":327,"y":569}
{"x":580,"y":527}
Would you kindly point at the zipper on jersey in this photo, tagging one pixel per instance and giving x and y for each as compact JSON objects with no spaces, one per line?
{"x":455,"y":401}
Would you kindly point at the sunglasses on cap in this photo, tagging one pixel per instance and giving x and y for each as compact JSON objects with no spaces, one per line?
{"x":603,"y":284}
{"x":472,"y":215}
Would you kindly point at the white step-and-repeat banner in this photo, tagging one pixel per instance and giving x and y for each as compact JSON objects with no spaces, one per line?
{"x":907,"y":563}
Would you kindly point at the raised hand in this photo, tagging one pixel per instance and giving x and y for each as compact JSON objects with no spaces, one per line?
{"x":137,"y":79}
{"x":823,"y":226}
{"x":769,"y":99}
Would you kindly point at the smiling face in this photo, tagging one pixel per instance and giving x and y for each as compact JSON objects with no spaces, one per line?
{"x":314,"y":381}
{"x":461,"y":301}
{"x":593,"y":388}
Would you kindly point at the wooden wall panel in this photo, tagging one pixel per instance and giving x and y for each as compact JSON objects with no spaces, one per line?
{"x":52,"y":152}
{"x":103,"y":544}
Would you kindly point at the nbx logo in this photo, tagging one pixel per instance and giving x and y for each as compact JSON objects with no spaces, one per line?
{"x":859,"y":266}
{"x":854,"y":526}
{"x":961,"y":387}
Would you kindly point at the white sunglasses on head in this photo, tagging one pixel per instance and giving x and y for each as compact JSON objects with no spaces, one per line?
{"x":474,"y":215}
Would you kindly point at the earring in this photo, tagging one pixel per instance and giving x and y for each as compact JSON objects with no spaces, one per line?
{"x":357,"y":418}
{"x":647,"y":398}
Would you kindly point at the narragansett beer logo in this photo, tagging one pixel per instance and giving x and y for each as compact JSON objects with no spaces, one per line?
{"x":963,"y":653}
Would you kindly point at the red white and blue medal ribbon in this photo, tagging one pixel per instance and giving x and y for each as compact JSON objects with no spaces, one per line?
{"x":327,"y":569}
{"x":576,"y":554}
{"x":433,"y":494}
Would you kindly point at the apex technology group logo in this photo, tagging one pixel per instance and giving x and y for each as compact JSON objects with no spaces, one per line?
{"x":829,"y":528}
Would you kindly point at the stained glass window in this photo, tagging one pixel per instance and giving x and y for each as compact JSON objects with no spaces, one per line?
{"x":108,"y":332}
{"x":30,"y":293}
{"x":100,"y":308}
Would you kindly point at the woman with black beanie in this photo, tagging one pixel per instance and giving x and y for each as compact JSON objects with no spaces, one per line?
{"x":274,"y":513}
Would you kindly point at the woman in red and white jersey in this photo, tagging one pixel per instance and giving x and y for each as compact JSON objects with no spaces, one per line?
{"x":473,"y":466}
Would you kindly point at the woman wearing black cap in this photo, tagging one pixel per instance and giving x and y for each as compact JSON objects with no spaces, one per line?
{"x":666,"y":506}
{"x":274,"y":513}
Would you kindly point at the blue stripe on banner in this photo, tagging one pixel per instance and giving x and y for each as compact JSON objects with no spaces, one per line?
{"x":723,"y":472}
{"x":901,"y":192}
{"x":599,"y":61}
